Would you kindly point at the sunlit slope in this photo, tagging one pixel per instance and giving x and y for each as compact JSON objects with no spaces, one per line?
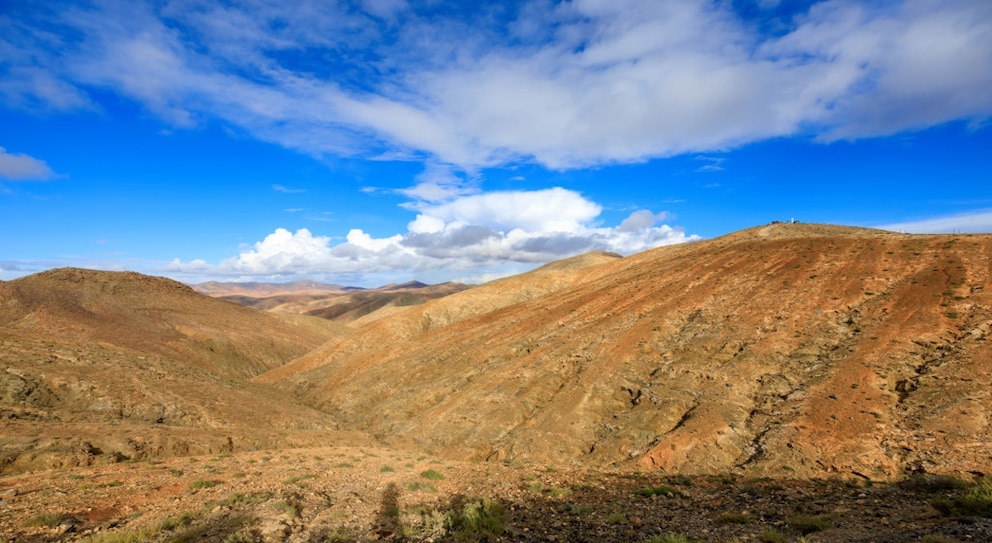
{"x":378,"y":334}
{"x":785,"y":350}
{"x":99,"y":367}
{"x":153,"y":314}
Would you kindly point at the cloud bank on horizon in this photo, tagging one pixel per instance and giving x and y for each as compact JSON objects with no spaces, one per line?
{"x":462,"y":87}
{"x":494,"y":231}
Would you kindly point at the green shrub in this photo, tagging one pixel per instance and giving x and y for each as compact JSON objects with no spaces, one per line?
{"x":617,"y":518}
{"x":299,"y":478}
{"x":557,"y":492}
{"x":287,"y":509}
{"x":668,"y":538}
{"x":659,"y":491}
{"x":976,"y":502}
{"x":49,"y":520}
{"x":929,"y":484}
{"x":203,"y":483}
{"x":732,"y":518}
{"x":478,"y":518}
{"x":136,"y":536}
{"x":432,"y":475}
{"x":173,"y":523}
{"x":808,"y":524}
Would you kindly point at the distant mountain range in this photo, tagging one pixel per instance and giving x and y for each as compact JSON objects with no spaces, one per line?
{"x":328,"y":301}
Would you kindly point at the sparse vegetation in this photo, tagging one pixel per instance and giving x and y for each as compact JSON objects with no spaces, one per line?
{"x":287,"y":509}
{"x":668,"y":538}
{"x":930,"y":483}
{"x":203,"y":483}
{"x":135,"y":536}
{"x":808,"y":524}
{"x":183,"y":520}
{"x":666,"y":491}
{"x":558,"y":492}
{"x":617,"y":518}
{"x":579,"y":509}
{"x":732,"y":518}
{"x":50,"y":520}
{"x":975,"y":501}
{"x":296,"y":480}
{"x":478,"y":518}
{"x":432,"y":475}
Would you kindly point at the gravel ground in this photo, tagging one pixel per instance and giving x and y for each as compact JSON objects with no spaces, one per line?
{"x":366,"y":494}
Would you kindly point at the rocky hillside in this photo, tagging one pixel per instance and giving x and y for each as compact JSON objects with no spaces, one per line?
{"x":785,"y":350}
{"x":98,"y":367}
{"x":152,"y":315}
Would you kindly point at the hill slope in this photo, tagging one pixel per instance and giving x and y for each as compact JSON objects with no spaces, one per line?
{"x":152,"y":314}
{"x":98,"y":366}
{"x":785,"y":350}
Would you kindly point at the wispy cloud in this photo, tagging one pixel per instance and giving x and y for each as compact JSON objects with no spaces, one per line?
{"x":466,"y":235}
{"x":970,"y":222}
{"x":287,"y":190}
{"x":713,"y":164}
{"x":21,"y":167}
{"x":564,"y":85}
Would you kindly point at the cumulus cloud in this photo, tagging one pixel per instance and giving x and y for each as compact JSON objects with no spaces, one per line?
{"x":973,"y":222}
{"x":562,"y":84}
{"x":468,"y":236}
{"x":21,"y":167}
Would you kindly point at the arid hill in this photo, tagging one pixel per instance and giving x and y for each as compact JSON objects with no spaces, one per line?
{"x":104,"y":366}
{"x":786,"y":350}
{"x":331,"y":302}
{"x":259,"y":289}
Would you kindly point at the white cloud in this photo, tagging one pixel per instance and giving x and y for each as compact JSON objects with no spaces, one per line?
{"x":21,"y":167}
{"x":590,"y":83}
{"x":971,"y":222}
{"x":438,"y":183}
{"x":475,"y":235}
{"x":549,"y":210}
{"x":640,"y":220}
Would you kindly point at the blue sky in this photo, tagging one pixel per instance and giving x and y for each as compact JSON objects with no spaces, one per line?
{"x":370,"y":141}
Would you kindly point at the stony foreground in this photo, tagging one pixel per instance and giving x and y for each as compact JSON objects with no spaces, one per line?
{"x":367,"y":494}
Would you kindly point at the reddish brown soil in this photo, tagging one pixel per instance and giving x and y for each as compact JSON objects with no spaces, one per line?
{"x":785,"y":351}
